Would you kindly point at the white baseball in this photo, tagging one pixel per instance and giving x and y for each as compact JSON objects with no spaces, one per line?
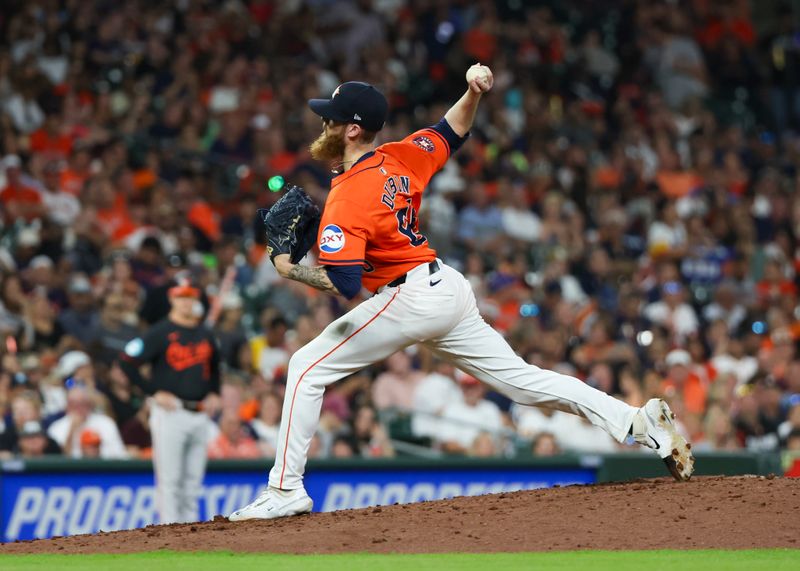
{"x":477,"y":71}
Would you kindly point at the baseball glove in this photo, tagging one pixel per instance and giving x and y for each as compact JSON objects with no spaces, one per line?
{"x":291,"y":224}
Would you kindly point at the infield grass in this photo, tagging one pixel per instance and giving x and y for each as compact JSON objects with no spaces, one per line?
{"x":668,"y":560}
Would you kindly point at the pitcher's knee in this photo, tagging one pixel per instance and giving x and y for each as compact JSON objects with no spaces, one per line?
{"x":306,"y":373}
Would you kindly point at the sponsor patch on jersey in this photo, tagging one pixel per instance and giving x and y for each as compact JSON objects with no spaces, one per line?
{"x":134,"y":347}
{"x":332,"y":239}
{"x":424,"y":143}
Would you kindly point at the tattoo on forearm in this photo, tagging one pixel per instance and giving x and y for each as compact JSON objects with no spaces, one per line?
{"x":316,"y":277}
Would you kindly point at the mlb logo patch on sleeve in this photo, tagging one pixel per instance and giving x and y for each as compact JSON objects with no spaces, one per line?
{"x":332,"y":239}
{"x":424,"y":143}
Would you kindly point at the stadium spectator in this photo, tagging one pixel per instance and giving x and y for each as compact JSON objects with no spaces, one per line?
{"x":269,"y":351}
{"x":18,"y":198}
{"x":233,"y":440}
{"x":545,"y":445}
{"x":726,"y":307}
{"x":682,"y":381}
{"x":90,"y":442}
{"x":394,"y":388}
{"x":433,"y":393}
{"x":463,"y":422}
{"x":33,"y":442}
{"x":718,"y":431}
{"x":792,"y":422}
{"x":12,"y":305}
{"x":368,"y":435}
{"x":230,"y":331}
{"x":81,"y":319}
{"x":483,"y":446}
{"x":25,"y":412}
{"x":114,"y":330}
{"x":267,"y":423}
{"x":342,"y":447}
{"x":673,"y":313}
{"x":75,"y":369}
{"x":136,"y":433}
{"x":480,"y":225}
{"x":680,"y":68}
{"x":124,"y":401}
{"x":81,"y":427}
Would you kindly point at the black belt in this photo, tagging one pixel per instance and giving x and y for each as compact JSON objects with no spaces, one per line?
{"x":192,"y":405}
{"x":433,"y":267}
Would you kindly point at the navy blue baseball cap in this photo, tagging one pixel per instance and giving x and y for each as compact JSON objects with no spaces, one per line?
{"x":354,"y":102}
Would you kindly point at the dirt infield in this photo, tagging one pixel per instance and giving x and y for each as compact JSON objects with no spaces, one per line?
{"x":715,"y":512}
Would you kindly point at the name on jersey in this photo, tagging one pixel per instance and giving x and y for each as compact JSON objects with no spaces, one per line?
{"x":391,"y":187}
{"x":332,"y":239}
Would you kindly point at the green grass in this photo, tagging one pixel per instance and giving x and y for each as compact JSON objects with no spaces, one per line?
{"x":668,"y":560}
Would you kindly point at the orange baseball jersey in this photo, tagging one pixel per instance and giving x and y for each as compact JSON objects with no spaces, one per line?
{"x":371,"y":216}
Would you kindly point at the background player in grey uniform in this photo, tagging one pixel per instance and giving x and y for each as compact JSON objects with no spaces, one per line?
{"x":184,"y":373}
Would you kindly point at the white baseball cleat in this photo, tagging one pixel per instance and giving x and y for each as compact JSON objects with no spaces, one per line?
{"x":274,"y":503}
{"x":653,"y":427}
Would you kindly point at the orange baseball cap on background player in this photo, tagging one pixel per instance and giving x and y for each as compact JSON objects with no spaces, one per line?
{"x":354,"y":102}
{"x":184,"y":289}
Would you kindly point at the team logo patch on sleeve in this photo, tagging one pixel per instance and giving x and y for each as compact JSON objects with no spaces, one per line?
{"x":424,"y":143}
{"x":134,"y":347}
{"x":332,"y":239}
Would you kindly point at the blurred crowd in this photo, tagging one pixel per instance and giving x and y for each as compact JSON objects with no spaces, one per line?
{"x":626,"y":209}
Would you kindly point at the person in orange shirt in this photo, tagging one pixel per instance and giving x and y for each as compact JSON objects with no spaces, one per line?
{"x":369,"y":237}
{"x":233,"y":441}
{"x":77,"y":172}
{"x":17,"y":199}
{"x":774,"y":285}
{"x":112,"y":209}
{"x":681,"y":379}
{"x":50,"y":139}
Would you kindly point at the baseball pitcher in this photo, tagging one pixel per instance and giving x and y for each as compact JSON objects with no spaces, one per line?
{"x":369,"y":236}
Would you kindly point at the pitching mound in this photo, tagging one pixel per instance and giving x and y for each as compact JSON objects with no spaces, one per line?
{"x":717,"y":512}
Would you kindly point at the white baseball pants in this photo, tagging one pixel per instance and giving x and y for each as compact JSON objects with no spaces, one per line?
{"x":440,"y":312}
{"x":180,"y":445}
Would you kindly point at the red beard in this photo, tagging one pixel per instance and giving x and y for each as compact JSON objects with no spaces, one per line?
{"x":329,"y":146}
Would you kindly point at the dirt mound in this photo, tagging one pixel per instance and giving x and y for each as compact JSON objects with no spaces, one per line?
{"x":715,"y":512}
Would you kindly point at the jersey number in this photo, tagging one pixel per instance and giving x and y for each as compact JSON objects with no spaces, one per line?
{"x":407,"y":224}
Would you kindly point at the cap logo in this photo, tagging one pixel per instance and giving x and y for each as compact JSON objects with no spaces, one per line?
{"x":335,"y":92}
{"x":356,"y":117}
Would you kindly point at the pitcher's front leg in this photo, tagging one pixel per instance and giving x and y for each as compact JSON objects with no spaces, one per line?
{"x":363,"y":336}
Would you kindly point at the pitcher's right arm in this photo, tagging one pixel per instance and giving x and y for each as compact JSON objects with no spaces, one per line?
{"x":462,"y":114}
